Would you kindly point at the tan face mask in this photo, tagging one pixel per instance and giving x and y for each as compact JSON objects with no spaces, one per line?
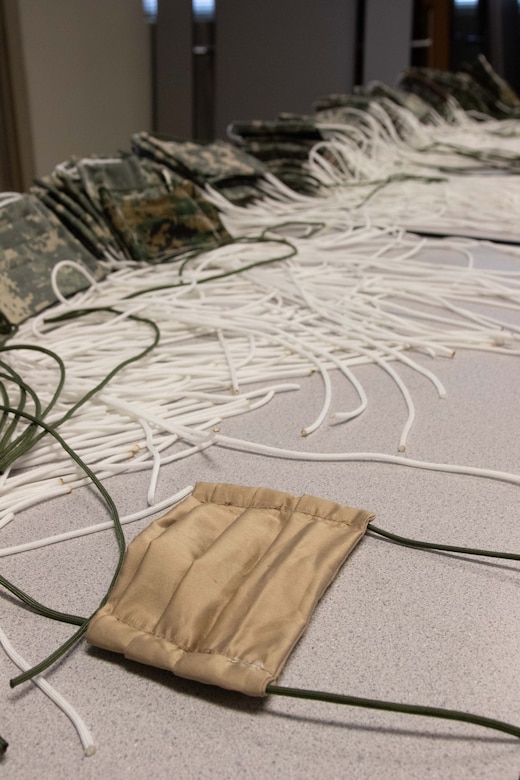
{"x":220,"y":589}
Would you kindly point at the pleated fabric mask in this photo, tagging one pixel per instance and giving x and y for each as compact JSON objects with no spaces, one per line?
{"x":221,"y":588}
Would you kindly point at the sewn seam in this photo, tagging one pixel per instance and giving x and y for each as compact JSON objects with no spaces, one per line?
{"x":233,"y":660}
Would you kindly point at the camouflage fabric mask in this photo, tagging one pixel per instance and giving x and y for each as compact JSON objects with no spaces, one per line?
{"x":222,"y":587}
{"x":69,"y":191}
{"x":155,"y":223}
{"x":412,"y":102}
{"x":340,"y":100}
{"x":32,"y":242}
{"x":283,"y":145}
{"x":126,"y":172}
{"x":232,"y":171}
{"x":70,"y":214}
{"x":482,"y":71}
{"x":277,"y":150}
{"x":125,"y":206}
{"x":444,"y":90}
{"x":288,"y":127}
{"x":204,"y":162}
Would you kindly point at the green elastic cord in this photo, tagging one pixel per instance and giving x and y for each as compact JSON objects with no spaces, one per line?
{"x":38,"y":608}
{"x":11,"y":450}
{"x":186,"y":257}
{"x":83,"y":623}
{"x":8,"y":429}
{"x":403,"y":540}
{"x":120,"y":366}
{"x":16,"y":448}
{"x":379,"y":185}
{"x":311,"y":228}
{"x":44,"y":351}
{"x":10,"y":453}
{"x":410,"y":709}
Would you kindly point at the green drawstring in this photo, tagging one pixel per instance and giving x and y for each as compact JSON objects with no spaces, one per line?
{"x":10,"y":451}
{"x":13,"y":449}
{"x":185,"y":257}
{"x":120,"y":366}
{"x":409,"y":709}
{"x":403,"y":540}
{"x":38,"y":608}
{"x":83,"y":623}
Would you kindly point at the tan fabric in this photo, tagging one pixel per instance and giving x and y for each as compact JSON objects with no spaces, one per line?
{"x":221,"y":588}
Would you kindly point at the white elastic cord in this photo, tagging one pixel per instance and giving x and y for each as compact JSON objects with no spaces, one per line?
{"x":87,"y":741}
{"x":92,"y":529}
{"x":81,"y":269}
{"x":358,"y":292}
{"x":371,"y":457}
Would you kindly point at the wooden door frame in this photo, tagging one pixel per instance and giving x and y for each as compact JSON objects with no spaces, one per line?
{"x":16,"y":145}
{"x":438,"y":13}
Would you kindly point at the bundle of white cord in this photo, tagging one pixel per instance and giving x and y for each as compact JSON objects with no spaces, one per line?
{"x":351,"y":295}
{"x":432,"y":178}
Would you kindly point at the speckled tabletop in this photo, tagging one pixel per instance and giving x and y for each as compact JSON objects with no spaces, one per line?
{"x":396,"y":624}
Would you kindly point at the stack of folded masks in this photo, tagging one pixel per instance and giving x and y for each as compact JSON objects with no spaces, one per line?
{"x":234,"y":173}
{"x":33,"y":241}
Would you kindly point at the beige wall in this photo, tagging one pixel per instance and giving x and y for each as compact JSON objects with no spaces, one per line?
{"x":88,"y":71}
